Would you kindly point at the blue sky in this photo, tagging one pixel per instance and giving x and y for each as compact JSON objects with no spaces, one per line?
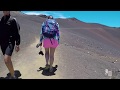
{"x":109,"y":18}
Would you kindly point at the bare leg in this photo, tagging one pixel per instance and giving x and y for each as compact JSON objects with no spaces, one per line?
{"x":9,"y":64}
{"x":52,"y":51}
{"x":47,"y":55}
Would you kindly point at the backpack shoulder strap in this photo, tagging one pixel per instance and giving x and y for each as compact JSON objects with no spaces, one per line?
{"x":46,"y":23}
{"x":56,"y":27}
{"x":18,"y":26}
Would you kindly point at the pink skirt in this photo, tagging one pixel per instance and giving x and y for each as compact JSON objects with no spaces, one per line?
{"x":47,"y":43}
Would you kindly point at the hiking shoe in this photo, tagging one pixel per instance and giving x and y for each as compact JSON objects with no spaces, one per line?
{"x":47,"y":66}
{"x":11,"y":77}
{"x":51,"y":69}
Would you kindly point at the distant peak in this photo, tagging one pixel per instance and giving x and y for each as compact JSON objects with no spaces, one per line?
{"x":43,"y":16}
{"x":73,"y":18}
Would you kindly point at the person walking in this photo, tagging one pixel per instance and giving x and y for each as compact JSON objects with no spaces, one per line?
{"x":50,"y":37}
{"x":9,"y":38}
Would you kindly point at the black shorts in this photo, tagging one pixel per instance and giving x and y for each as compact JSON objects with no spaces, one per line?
{"x":7,"y":48}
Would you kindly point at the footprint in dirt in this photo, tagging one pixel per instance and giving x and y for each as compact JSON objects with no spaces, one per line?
{"x":17,"y":74}
{"x":46,"y":72}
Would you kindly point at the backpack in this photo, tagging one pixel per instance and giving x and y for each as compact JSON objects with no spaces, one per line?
{"x":18,"y":25}
{"x":49,"y":29}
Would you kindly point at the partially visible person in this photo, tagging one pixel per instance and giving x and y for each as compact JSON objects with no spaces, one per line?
{"x":50,"y":37}
{"x":9,"y":37}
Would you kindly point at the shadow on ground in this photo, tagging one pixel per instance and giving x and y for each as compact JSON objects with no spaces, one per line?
{"x":17,"y":74}
{"x":46,"y":72}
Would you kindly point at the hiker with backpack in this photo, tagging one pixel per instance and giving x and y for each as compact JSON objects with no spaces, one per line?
{"x":9,"y":37}
{"x":50,"y":36}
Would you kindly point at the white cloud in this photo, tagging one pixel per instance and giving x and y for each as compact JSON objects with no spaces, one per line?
{"x":55,"y":14}
{"x":32,"y":13}
{"x":61,"y":16}
{"x":37,"y":13}
{"x":58,"y":15}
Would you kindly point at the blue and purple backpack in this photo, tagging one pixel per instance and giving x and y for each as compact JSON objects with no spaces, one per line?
{"x":49,"y":29}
